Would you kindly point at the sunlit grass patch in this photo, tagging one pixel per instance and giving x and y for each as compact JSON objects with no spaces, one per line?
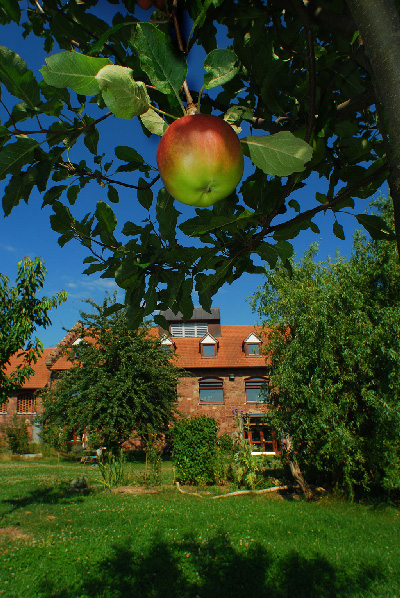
{"x":105,"y":545}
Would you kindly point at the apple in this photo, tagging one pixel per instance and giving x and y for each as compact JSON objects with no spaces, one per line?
{"x":200,"y":159}
{"x":159,"y":4}
{"x":145,"y":4}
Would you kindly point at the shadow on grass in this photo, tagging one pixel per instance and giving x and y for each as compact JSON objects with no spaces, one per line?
{"x":214,"y":568}
{"x":47,"y":495}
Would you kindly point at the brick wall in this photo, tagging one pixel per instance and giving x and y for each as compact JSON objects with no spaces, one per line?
{"x":233,"y":391}
{"x":6,"y":419}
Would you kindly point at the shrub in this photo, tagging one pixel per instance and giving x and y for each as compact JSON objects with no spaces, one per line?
{"x":194,"y":449}
{"x":111,"y":467}
{"x":18,"y":436}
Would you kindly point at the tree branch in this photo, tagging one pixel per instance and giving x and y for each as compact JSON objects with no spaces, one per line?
{"x":378,"y":22}
{"x":330,"y":204}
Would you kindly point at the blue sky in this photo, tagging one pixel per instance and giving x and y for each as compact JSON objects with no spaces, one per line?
{"x":27,"y":232}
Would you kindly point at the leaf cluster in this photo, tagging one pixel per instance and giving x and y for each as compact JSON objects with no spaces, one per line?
{"x":22,"y":311}
{"x":295,"y":81}
{"x":334,"y":333}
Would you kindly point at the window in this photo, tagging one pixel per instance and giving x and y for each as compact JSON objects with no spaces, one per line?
{"x":208,"y":350}
{"x":211,"y":390}
{"x":167,"y":346}
{"x":26,"y":404}
{"x":3,"y":407}
{"x":253,"y":349}
{"x":253,"y":389}
{"x":208,"y":346}
{"x":184,"y":329}
{"x":259,"y":434}
{"x":251,"y":346}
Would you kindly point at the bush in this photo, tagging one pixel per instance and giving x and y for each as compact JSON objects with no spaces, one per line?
{"x":18,"y":436}
{"x":195,"y":449}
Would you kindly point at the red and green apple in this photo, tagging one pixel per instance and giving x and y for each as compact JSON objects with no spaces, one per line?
{"x":200,"y":159}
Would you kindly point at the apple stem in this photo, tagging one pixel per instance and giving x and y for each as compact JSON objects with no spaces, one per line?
{"x":189,"y":99}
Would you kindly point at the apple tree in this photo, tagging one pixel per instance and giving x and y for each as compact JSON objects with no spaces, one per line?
{"x":21,"y":312}
{"x":310,"y":89}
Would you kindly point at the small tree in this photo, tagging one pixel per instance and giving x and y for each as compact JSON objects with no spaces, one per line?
{"x":335,"y":345}
{"x":21,"y":312}
{"x":121,"y":382}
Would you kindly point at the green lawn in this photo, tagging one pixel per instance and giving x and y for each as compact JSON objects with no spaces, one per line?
{"x":54,"y":542}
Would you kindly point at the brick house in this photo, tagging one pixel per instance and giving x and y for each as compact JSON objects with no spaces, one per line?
{"x":24,"y":403}
{"x":223,"y":367}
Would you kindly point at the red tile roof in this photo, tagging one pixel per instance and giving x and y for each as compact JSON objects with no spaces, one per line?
{"x":230,"y":350}
{"x":187,"y":354}
{"x":41,"y":374}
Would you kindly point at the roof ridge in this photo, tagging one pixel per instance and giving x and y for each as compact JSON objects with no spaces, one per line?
{"x":67,"y":341}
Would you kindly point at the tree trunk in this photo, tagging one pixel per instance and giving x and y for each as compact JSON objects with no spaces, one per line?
{"x":378,"y":22}
{"x":295,"y":468}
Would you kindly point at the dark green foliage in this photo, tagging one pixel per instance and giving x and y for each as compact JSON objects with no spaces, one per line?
{"x":195,"y":449}
{"x":122,"y":382}
{"x":335,"y":345}
{"x":295,"y":82}
{"x":21,"y":312}
{"x":18,"y":436}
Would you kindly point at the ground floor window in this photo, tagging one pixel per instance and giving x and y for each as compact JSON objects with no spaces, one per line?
{"x":260,"y":435}
{"x":211,"y":390}
{"x":3,"y":407}
{"x":26,"y":403}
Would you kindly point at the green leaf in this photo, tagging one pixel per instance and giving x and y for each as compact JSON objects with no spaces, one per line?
{"x":5,"y":135}
{"x":154,"y":122}
{"x":106,"y":224}
{"x":17,"y":78}
{"x":165,"y":66}
{"x":144,"y":194}
{"x":268,"y":253}
{"x":284,"y":249}
{"x":19,"y":187}
{"x":72,"y":193}
{"x":128,"y":154}
{"x":320,"y":197}
{"x":221,"y":67}
{"x":279,"y":155}
{"x":128,"y":272}
{"x":12,"y":9}
{"x":98,"y":46}
{"x":235,"y":114}
{"x":185,"y":298}
{"x":74,"y":70}
{"x":376,"y":226}
{"x":91,"y":140}
{"x":14,"y":155}
{"x":131,"y":229}
{"x":167,"y":214}
{"x":338,"y":230}
{"x":112,"y":194}
{"x":61,"y":221}
{"x":124,"y":96}
{"x":53,"y":194}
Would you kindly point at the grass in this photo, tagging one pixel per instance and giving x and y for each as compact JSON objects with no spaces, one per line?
{"x":58,"y":543}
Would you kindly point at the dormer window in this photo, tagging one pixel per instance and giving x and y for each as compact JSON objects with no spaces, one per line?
{"x":208,"y":346}
{"x":167,"y":345}
{"x":252,"y":346}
